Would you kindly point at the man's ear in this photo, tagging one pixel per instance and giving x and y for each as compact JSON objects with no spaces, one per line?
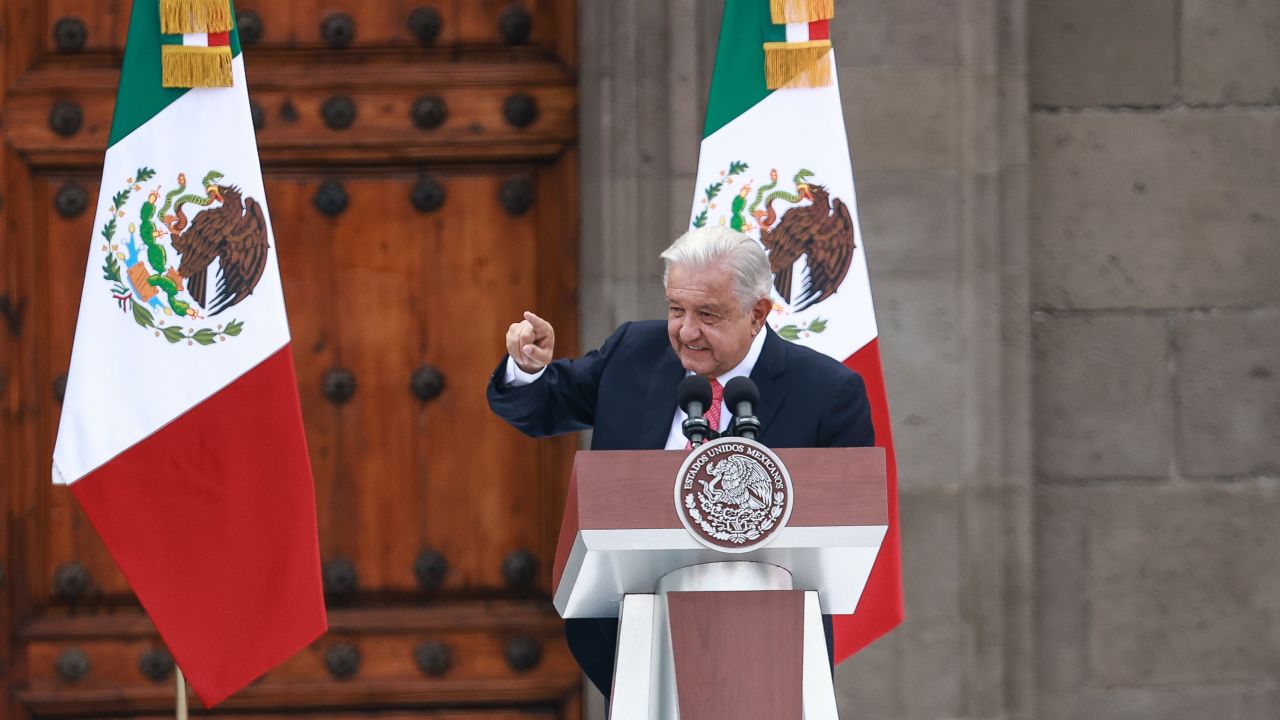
{"x":760,"y":311}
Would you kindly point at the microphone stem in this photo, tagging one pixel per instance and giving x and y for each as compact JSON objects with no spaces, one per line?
{"x":747,"y":424}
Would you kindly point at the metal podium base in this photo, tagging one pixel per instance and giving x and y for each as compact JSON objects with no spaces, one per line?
{"x":644,"y":677}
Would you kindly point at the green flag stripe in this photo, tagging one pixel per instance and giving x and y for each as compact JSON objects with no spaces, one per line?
{"x":141,"y":96}
{"x":737,"y":82}
{"x":235,"y":32}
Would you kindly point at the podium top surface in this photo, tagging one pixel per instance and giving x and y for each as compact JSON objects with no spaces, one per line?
{"x":621,"y":528}
{"x":632,"y":489}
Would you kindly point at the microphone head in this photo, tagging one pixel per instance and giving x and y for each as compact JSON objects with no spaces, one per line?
{"x":739,"y":390}
{"x":694,"y":388}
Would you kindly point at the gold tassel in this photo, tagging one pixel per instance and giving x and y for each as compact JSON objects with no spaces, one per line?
{"x":195,"y":67}
{"x":801,"y":11}
{"x":797,"y":65}
{"x":194,"y":16}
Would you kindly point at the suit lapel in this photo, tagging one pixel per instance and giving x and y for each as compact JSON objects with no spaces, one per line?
{"x":660,"y":401}
{"x":767,"y":375}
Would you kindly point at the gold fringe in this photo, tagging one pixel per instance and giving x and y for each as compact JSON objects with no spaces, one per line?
{"x":797,"y":65}
{"x":194,"y":67}
{"x":194,"y":16}
{"x":801,"y":11}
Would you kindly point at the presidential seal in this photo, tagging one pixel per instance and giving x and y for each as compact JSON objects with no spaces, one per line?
{"x":733,"y":494}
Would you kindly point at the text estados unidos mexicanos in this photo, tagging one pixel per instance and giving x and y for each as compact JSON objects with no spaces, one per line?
{"x":692,"y":473}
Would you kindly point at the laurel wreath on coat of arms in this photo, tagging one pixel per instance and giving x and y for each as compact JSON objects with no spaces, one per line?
{"x":735,"y":525}
{"x":173,"y":301}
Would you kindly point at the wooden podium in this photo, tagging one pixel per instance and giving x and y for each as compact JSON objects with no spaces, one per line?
{"x":704,"y":633}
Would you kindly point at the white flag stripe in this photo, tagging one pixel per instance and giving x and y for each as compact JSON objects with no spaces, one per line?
{"x":795,"y":141}
{"x":123,"y":371}
{"x":196,"y":39}
{"x":797,"y":32}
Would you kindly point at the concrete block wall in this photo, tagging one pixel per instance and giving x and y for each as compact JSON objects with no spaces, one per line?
{"x":1155,"y":255}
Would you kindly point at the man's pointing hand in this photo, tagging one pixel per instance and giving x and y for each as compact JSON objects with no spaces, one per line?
{"x":531,"y":343}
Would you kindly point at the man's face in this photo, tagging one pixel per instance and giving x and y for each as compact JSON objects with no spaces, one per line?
{"x":709,"y":330}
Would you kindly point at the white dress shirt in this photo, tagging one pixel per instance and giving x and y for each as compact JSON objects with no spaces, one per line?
{"x":675,"y":438}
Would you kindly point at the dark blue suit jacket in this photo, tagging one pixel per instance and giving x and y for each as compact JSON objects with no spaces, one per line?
{"x":626,"y":392}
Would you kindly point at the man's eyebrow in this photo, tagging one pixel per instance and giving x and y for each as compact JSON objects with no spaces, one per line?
{"x":700,"y":307}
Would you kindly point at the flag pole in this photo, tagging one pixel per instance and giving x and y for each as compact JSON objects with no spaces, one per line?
{"x":182,"y":695}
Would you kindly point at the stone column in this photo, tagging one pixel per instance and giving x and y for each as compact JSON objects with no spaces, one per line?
{"x":935,"y":99}
{"x":645,"y":67}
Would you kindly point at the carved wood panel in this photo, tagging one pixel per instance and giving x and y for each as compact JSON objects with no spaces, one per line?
{"x":409,"y":237}
{"x":76,"y":27}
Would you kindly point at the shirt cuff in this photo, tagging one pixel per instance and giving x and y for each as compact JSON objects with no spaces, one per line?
{"x":515,"y":377}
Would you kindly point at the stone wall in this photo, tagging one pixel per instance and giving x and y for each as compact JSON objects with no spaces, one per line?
{"x":1155,"y":237}
{"x":1070,"y":214}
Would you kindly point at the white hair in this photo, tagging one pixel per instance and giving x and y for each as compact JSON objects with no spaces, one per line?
{"x":745,"y":259}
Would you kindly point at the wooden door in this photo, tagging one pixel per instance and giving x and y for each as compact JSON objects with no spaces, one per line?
{"x":421,"y":173}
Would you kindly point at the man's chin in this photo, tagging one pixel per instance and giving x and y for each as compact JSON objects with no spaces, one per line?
{"x":697,"y":365}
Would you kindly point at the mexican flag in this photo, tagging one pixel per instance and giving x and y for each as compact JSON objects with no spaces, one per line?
{"x":181,"y":434}
{"x":775,"y":165}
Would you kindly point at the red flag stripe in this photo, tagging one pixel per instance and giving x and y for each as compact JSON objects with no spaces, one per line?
{"x":880,"y":608}
{"x":219,"y":39}
{"x":820,"y":30}
{"x":225,"y":559}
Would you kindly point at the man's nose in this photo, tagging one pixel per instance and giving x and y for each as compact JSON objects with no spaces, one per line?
{"x":690,"y":329}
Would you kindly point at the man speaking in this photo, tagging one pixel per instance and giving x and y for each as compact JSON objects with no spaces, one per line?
{"x":717,"y":287}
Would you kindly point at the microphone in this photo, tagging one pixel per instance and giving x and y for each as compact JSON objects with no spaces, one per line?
{"x":742,"y":396}
{"x":694,"y":397}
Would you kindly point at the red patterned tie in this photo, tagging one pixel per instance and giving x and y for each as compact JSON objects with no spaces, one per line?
{"x":713,"y":413}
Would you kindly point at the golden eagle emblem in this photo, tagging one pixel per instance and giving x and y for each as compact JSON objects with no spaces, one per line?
{"x":235,"y":234}
{"x":821,"y":232}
